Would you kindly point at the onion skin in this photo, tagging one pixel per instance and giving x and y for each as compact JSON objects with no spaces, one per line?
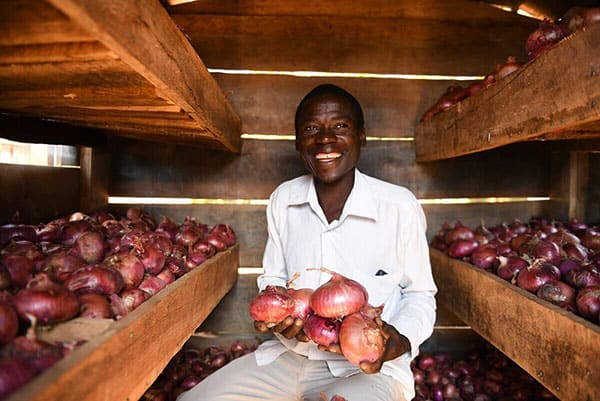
{"x":9,"y":323}
{"x":61,"y":264}
{"x":510,"y":267}
{"x":225,"y":231}
{"x":462,"y":248}
{"x":19,"y":268}
{"x":14,"y":373}
{"x":582,"y":277}
{"x":46,"y":306}
{"x":130,"y":266}
{"x":96,"y":279}
{"x":536,"y":275}
{"x":588,"y":303}
{"x":338,"y":297}
{"x":322,"y":330}
{"x":484,"y":256}
{"x":95,"y":306}
{"x":5,"y":279}
{"x":152,"y":285}
{"x":545,"y":37}
{"x":127,"y":302}
{"x":271,"y":306}
{"x":361,"y":339}
{"x":558,"y":293}
{"x":90,"y":247}
{"x":301,"y":302}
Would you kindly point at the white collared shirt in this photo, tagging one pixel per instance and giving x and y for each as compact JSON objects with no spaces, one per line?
{"x":381,"y":229}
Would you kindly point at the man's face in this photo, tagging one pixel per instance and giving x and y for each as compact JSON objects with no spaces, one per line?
{"x":328,"y":138}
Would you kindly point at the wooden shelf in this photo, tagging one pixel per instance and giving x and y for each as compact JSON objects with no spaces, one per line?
{"x":124,"y":360}
{"x":118,"y":65}
{"x":555,"y":96}
{"x":555,"y":346}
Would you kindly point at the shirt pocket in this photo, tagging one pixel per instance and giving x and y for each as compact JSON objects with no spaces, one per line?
{"x":379,"y":288}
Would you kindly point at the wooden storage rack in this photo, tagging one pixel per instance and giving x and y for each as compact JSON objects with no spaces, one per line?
{"x":117,"y":65}
{"x":557,"y":347}
{"x":124,"y":360}
{"x":554,"y":96}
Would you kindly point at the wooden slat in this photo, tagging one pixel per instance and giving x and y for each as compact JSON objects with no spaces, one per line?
{"x":593,"y":190}
{"x":144,"y":37}
{"x":459,"y":10}
{"x":263,"y":165}
{"x":266,"y":104}
{"x":354,"y":44}
{"x":558,"y":90}
{"x":94,"y":167}
{"x":143,"y":342}
{"x":54,"y":52}
{"x":556,"y":347}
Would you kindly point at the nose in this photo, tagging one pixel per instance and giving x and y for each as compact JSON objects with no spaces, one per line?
{"x":326,"y":136}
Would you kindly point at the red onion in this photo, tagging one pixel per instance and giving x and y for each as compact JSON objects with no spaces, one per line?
{"x":238,"y":349}
{"x":154,"y":394}
{"x":301,"y":302}
{"x":271,"y":306}
{"x":543,"y":38}
{"x":90,"y":247}
{"x":217,"y":241}
{"x":14,"y":373}
{"x":69,"y":232}
{"x":95,"y":279}
{"x":153,"y":258}
{"x":12,"y":232}
{"x":547,"y":250}
{"x":484,"y":256}
{"x":9,"y":323}
{"x":127,"y":302}
{"x":591,"y":240}
{"x":510,"y":66}
{"x":112,"y":228}
{"x":361,"y":339}
{"x":203,"y":247}
{"x":563,"y":237}
{"x":537,"y":274}
{"x":565,"y":266}
{"x":5,"y":279}
{"x":575,"y":252}
{"x":582,"y":277}
{"x":43,"y":282}
{"x":169,"y":227}
{"x":462,"y":248}
{"x":582,"y":17}
{"x":474,"y":88}
{"x":61,"y":264}
{"x":189,"y":382}
{"x":338,"y":297}
{"x":19,"y":267}
{"x":226,"y":232}
{"x":95,"y":306}
{"x":130,"y":266}
{"x":322,"y":330}
{"x":166,"y":275}
{"x":152,"y":285}
{"x":46,"y":306}
{"x":194,"y":260}
{"x":511,"y":266}
{"x":178,"y":267}
{"x":588,"y":303}
{"x":458,"y":232}
{"x":426,"y":362}
{"x":558,"y":293}
{"x":188,"y":236}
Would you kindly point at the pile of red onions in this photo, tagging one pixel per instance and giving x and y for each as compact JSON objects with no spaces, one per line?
{"x":481,"y":375}
{"x":555,"y":260}
{"x":95,"y":266}
{"x":192,"y":365}
{"x":337,"y":312}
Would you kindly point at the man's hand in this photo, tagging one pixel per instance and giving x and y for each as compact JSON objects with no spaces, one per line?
{"x":288,"y":327}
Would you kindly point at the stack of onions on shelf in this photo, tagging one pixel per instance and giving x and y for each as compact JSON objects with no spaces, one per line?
{"x":92,"y":266}
{"x":557,"y":261}
{"x":337,"y":312}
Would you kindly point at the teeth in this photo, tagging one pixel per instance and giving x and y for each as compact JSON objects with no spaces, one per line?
{"x":327,"y":156}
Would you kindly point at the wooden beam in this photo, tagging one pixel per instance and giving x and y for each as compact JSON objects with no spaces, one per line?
{"x":143,"y":35}
{"x":556,"y":347}
{"x":354,"y":44}
{"x":138,"y":342}
{"x":559,"y":90}
{"x":94,"y":168}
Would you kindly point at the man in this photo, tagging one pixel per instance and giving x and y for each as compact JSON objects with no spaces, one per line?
{"x":363,"y":228}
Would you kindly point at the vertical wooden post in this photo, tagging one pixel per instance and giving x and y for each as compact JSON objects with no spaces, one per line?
{"x":94,"y":164}
{"x":569,"y":180}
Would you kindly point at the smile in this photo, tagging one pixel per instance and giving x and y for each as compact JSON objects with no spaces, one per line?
{"x":326,"y":157}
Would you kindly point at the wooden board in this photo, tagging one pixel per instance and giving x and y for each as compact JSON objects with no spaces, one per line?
{"x":354,"y":43}
{"x":559,"y":90}
{"x":142,"y":343}
{"x":556,"y":347}
{"x":131,"y":72}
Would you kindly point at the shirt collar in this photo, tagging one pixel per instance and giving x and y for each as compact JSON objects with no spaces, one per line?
{"x":360,"y":202}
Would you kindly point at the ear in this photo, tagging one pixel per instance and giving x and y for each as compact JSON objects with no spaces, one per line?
{"x":362,"y":136}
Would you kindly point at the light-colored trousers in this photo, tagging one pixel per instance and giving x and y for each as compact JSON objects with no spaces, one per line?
{"x":291,"y":377}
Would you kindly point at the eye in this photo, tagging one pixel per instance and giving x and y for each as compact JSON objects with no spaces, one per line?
{"x":310,"y":129}
{"x":341,"y":125}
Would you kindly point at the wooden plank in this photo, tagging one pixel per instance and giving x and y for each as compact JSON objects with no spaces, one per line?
{"x":461,"y":10}
{"x":593,"y":191}
{"x":556,"y":91}
{"x":518,"y":323}
{"x":94,"y":166}
{"x":54,"y":52}
{"x":36,"y":194}
{"x":24,"y":22}
{"x":144,"y":37}
{"x":354,"y":44}
{"x":267,"y":104}
{"x":159,"y":170}
{"x":139,"y":340}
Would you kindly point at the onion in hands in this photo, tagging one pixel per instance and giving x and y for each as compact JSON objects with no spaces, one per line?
{"x":271,"y":306}
{"x":361,"y":339}
{"x":339,"y":297}
{"x":322,"y":330}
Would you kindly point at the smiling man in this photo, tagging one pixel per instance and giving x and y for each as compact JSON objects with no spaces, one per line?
{"x":363,"y":228}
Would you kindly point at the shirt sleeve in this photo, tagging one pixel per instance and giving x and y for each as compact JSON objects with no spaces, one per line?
{"x":413,"y":310}
{"x":275,"y":272}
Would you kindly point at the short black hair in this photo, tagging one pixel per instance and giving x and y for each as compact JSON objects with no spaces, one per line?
{"x":333,"y":90}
